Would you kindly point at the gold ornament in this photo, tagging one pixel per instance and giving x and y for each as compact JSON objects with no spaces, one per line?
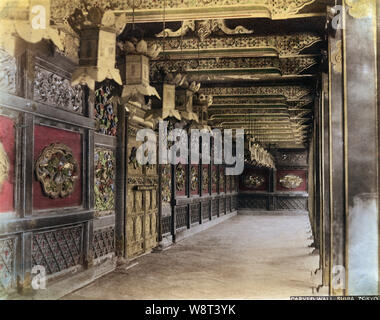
{"x":4,"y":165}
{"x":57,"y":170}
{"x":291,"y":181}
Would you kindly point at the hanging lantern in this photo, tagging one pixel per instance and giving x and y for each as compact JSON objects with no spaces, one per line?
{"x":137,"y":71}
{"x":201,"y":105}
{"x":161,"y":110}
{"x":184,"y":100}
{"x":97,"y":51}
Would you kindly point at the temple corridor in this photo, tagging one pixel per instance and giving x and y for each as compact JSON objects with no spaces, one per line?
{"x":246,"y":257}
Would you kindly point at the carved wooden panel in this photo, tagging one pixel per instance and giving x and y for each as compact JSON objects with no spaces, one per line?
{"x":291,"y":203}
{"x":105,"y":111}
{"x":58,"y":249}
{"x":214,"y":179}
{"x":57,"y":91}
{"x":181,"y":216}
{"x":205,"y":210}
{"x":43,"y":137}
{"x":194,"y":179}
{"x":291,"y":180}
{"x":8,"y":72}
{"x":222,"y":206}
{"x":253,"y":202}
{"x":166,"y":224}
{"x":142,"y":203}
{"x":103,"y":242}
{"x":254,"y":179}
{"x":195,"y":212}
{"x":7,"y":163}
{"x":104,"y":166}
{"x":7,"y":262}
{"x":205,"y":179}
{"x":214,"y":207}
{"x":291,"y":158}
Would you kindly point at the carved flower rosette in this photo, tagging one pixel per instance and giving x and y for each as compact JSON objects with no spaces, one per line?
{"x":291,"y":181}
{"x":4,"y":165}
{"x":57,"y":170}
{"x":253,"y":181}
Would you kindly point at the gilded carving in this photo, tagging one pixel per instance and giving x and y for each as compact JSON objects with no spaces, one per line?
{"x":253,"y":181}
{"x":194,"y":178}
{"x":336,"y":57}
{"x":291,"y":181}
{"x":203,"y":29}
{"x":104,"y":111}
{"x":360,"y":8}
{"x":165,"y":183}
{"x":57,"y":170}
{"x":289,"y":92}
{"x":285,"y":45}
{"x":104,"y":180}
{"x":180,"y":177}
{"x":205,"y":178}
{"x":4,"y":165}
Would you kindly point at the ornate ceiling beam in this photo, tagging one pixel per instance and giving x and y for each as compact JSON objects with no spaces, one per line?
{"x":240,"y":66}
{"x":289,"y":92}
{"x":149,"y":11}
{"x":239,"y":46}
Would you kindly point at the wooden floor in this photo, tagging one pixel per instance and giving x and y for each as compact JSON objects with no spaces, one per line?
{"x":246,"y":257}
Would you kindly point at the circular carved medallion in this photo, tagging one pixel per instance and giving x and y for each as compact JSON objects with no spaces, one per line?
{"x":57,"y":170}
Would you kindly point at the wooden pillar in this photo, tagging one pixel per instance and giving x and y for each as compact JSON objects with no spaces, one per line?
{"x":361,"y":147}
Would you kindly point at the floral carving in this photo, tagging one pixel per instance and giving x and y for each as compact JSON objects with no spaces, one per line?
{"x":104,"y":180}
{"x":57,"y":91}
{"x":291,"y":181}
{"x":8,"y":69}
{"x":194,"y":178}
{"x":253,"y":181}
{"x":4,"y":165}
{"x":57,"y":170}
{"x":336,"y":57}
{"x":214,"y":178}
{"x":180,"y":177}
{"x":205,"y":178}
{"x":105,"y":115}
{"x":165,"y":183}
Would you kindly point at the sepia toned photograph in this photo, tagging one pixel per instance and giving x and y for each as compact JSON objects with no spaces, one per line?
{"x":189,"y":155}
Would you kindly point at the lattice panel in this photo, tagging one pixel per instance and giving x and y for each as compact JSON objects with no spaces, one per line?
{"x":181,"y":217}
{"x":166,"y":224}
{"x":291,"y":203}
{"x":103,"y":242}
{"x":58,"y":249}
{"x":228,"y":204}
{"x":215,"y":207}
{"x":205,"y":210}
{"x":195,"y":208}
{"x":234,"y":203}
{"x":7,"y":262}
{"x":222,"y":206}
{"x":253,"y":203}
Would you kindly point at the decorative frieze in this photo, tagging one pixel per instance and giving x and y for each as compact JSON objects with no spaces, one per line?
{"x":285,"y":66}
{"x":284,"y":45}
{"x":57,"y":91}
{"x":295,"y":92}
